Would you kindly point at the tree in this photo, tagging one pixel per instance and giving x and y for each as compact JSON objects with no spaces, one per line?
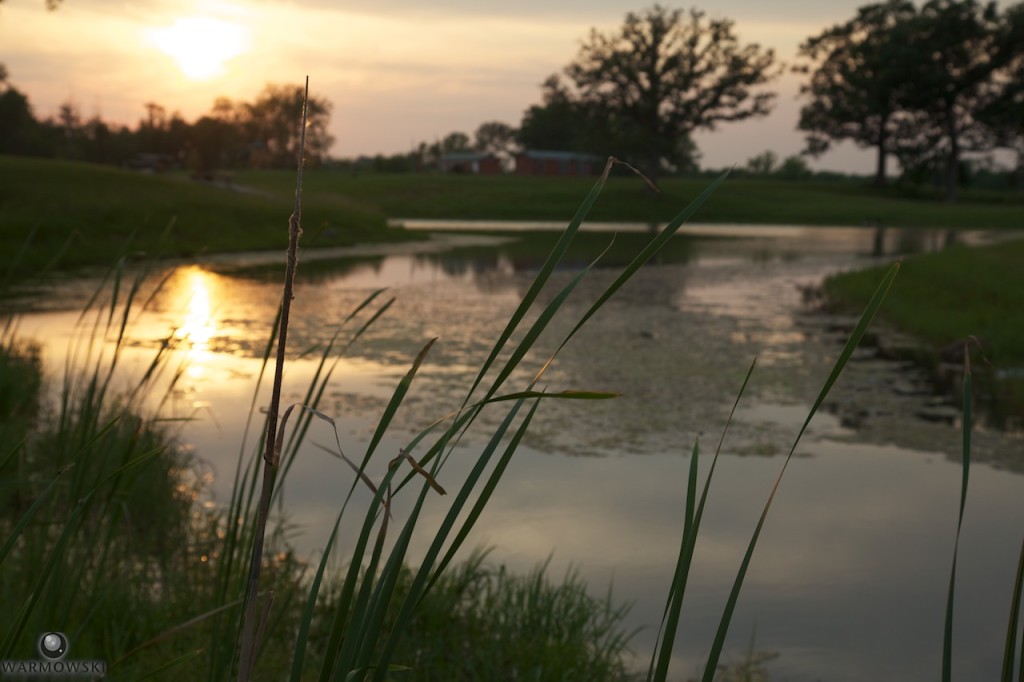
{"x":495,"y":137}
{"x":211,"y":141}
{"x":455,"y":142}
{"x":665,"y":74}
{"x":1005,"y":113}
{"x":273,"y":126}
{"x":763,"y":163}
{"x":961,"y":73}
{"x":559,"y":123}
{"x":16,"y":121}
{"x":862,"y":70}
{"x":794,"y":168}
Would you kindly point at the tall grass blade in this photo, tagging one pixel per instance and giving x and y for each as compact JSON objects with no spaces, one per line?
{"x":869,"y":313}
{"x":68,"y":531}
{"x":171,"y":664}
{"x":396,"y":400}
{"x":947,"y":639}
{"x":306,"y":620}
{"x":19,"y":528}
{"x":1011,"y":628}
{"x":648,"y":251}
{"x":441,"y":535}
{"x":553,"y":259}
{"x":661,"y":658}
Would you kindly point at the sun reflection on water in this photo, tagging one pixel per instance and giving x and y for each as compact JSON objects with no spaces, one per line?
{"x":198,"y":324}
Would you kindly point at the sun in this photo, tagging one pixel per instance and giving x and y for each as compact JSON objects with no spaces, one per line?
{"x":200,"y":45}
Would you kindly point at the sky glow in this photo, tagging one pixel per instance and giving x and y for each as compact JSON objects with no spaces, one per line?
{"x":397,"y":72}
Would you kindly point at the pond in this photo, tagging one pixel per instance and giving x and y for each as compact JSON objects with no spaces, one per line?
{"x":850,"y":576}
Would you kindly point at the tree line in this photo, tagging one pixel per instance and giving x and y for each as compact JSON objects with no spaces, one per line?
{"x":263,"y":133}
{"x":922,"y":84}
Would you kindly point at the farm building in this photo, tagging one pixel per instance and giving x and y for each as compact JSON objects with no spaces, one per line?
{"x":471,"y":163}
{"x":556,"y":163}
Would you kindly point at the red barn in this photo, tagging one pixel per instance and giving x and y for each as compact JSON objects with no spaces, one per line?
{"x":556,"y":163}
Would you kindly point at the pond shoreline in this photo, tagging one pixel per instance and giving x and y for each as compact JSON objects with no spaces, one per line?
{"x":599,"y":485}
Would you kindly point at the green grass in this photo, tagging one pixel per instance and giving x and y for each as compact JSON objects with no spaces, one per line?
{"x":92,"y":213}
{"x":755,"y":201}
{"x":480,"y":622}
{"x":944,"y":297}
{"x":96,"y":212}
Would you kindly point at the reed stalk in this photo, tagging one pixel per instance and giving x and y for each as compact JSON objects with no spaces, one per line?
{"x":252,"y":623}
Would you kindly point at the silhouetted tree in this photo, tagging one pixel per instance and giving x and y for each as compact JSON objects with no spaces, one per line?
{"x":273,"y":126}
{"x":794,"y":168}
{"x":16,"y":122}
{"x":211,"y":142}
{"x":495,"y":137}
{"x":1005,"y":113}
{"x":861,"y":70}
{"x":665,"y":74}
{"x":960,"y":73}
{"x":559,"y":123}
{"x":763,"y":163}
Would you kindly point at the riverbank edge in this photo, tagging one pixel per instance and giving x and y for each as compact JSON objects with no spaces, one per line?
{"x":961,"y":297}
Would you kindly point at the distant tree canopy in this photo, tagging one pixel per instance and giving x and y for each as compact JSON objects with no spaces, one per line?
{"x":268,"y":130}
{"x":863,"y":66}
{"x":263,"y":133}
{"x":641,"y":91}
{"x":495,"y":137}
{"x":925,"y":84}
{"x":1005,"y":114}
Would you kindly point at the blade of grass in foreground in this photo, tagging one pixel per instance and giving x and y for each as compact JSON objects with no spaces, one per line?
{"x":1011,"y":628}
{"x":662,"y":656}
{"x":947,"y":640}
{"x":554,"y":258}
{"x":71,"y":525}
{"x":869,"y":313}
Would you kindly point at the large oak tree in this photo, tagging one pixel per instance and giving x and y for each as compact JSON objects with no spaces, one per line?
{"x":926,"y":84}
{"x":861,"y":71}
{"x":661,"y":76}
{"x":963,"y":57}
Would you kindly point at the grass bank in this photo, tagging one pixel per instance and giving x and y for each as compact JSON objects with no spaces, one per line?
{"x":744,"y":200}
{"x":944,"y":297}
{"x":93,"y":213}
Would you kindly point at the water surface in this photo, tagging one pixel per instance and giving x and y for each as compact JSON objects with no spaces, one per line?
{"x":849,"y":579}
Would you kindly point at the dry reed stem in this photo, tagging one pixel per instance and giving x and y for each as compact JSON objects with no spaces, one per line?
{"x":252,"y":624}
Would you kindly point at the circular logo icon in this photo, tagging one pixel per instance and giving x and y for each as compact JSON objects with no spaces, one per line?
{"x":53,"y":646}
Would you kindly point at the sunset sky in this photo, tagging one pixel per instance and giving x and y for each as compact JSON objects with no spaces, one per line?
{"x":397,"y":71}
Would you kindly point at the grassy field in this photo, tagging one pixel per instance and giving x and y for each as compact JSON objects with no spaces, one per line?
{"x":944,"y":297}
{"x":95,"y":213}
{"x":755,"y":201}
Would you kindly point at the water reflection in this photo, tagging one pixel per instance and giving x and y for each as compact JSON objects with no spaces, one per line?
{"x":198,"y":324}
{"x":855,"y":526}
